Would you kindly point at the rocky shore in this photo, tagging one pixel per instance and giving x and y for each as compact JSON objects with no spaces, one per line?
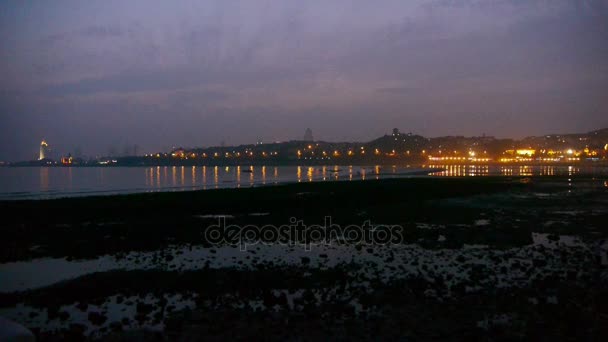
{"x":480,"y":258}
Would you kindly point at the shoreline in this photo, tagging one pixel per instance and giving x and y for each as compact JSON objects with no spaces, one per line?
{"x":389,"y":177}
{"x":234,"y":178}
{"x":400,"y":163}
{"x":63,"y":226}
{"x":486,"y":257}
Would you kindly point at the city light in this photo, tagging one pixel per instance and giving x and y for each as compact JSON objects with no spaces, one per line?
{"x":525,"y":152}
{"x":459,"y":150}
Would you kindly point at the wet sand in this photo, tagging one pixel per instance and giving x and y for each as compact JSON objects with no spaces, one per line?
{"x":481,"y":258}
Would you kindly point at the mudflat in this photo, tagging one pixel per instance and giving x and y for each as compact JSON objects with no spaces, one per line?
{"x":489,"y":258}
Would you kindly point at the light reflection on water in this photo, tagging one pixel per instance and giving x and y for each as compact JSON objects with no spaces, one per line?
{"x":454,"y":170}
{"x":53,"y":182}
{"x":45,"y":182}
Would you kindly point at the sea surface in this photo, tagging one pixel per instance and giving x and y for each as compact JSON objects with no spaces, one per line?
{"x":55,"y":182}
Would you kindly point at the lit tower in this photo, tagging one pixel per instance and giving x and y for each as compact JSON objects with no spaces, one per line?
{"x":44,"y":148}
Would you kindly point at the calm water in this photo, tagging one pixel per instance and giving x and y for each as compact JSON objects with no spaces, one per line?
{"x":53,"y":182}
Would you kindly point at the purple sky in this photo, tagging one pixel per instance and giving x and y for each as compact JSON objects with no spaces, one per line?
{"x":99,"y":74}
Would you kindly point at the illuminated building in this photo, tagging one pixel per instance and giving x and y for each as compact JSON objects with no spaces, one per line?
{"x":525,"y":152}
{"x":67,"y":160}
{"x":44,"y":150}
{"x":179,"y":153}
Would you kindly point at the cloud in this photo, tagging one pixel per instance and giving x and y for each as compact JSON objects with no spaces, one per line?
{"x":167,"y":79}
{"x":90,"y":32}
{"x":351,"y":67}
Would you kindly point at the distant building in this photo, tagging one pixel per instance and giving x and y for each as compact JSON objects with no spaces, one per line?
{"x":526,"y":152}
{"x":69,"y":160}
{"x":308,"y":135}
{"x":44,"y":150}
{"x":179,"y":152}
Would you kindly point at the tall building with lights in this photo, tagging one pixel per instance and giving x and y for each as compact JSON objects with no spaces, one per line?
{"x":44,"y":150}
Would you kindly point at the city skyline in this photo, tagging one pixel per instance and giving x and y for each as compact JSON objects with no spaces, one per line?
{"x":202,"y":72}
{"x":572,"y":146}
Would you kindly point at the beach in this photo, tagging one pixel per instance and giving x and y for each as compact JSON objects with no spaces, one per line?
{"x":483,"y":258}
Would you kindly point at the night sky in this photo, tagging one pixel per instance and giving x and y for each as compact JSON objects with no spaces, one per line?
{"x":99,"y":75}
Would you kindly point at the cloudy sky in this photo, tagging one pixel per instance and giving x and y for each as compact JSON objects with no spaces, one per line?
{"x":96,"y":75}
